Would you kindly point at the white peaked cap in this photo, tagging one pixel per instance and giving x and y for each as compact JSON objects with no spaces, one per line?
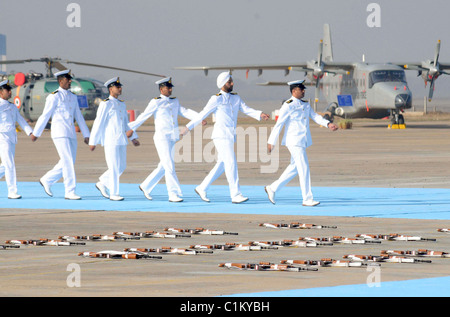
{"x":296,"y":82}
{"x":63,"y":72}
{"x":4,"y":83}
{"x":114,"y":80}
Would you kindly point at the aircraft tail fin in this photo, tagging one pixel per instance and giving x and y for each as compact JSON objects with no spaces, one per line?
{"x":3,"y":53}
{"x":327,"y":47}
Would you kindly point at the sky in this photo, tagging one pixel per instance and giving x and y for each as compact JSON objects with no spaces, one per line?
{"x":156,"y":36}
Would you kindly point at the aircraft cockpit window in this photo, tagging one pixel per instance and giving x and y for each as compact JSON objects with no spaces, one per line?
{"x":51,"y":86}
{"x":76,"y":88}
{"x":87,"y":86}
{"x":386,"y":76}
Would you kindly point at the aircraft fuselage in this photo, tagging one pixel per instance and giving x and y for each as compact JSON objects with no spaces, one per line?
{"x":368,"y":91}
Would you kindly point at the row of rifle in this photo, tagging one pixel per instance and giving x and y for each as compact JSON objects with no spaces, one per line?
{"x":252,"y":245}
{"x":352,"y":260}
{"x":115,"y":236}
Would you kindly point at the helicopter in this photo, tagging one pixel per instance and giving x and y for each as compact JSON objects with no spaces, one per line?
{"x":31,"y":90}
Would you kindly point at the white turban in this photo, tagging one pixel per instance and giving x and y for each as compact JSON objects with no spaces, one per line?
{"x":222,"y":79}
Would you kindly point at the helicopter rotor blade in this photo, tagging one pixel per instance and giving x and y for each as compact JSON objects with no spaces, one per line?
{"x":115,"y":68}
{"x":20,"y":61}
{"x":58,"y":66}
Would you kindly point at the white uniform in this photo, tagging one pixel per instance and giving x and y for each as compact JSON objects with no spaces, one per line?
{"x":63,"y":109}
{"x":294,"y":116}
{"x":9,"y":115}
{"x":226,"y":107}
{"x":165,"y":111}
{"x":109,"y":130}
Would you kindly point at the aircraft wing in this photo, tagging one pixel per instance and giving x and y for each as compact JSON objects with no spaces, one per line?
{"x":281,"y":83}
{"x":286,"y":67}
{"x":419,"y":66}
{"x":329,"y":66}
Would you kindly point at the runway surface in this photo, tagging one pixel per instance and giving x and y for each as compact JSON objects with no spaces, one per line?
{"x":410,"y":203}
{"x":405,"y":203}
{"x":369,"y":179}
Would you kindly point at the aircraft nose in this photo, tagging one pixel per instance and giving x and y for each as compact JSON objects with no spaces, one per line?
{"x":403,"y":101}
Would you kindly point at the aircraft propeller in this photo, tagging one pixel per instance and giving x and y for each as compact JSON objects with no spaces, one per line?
{"x":430,"y":70}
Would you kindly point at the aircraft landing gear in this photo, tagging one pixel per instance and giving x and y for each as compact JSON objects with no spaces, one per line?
{"x":397,"y":120}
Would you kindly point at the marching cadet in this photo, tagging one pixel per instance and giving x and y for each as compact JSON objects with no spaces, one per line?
{"x":294,"y":115}
{"x":62,"y":107}
{"x":9,"y":115}
{"x":226,"y":106}
{"x":111,"y":130}
{"x":165,"y":110}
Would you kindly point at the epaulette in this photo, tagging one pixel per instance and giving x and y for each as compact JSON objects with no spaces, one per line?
{"x":219,"y":94}
{"x":55,"y":92}
{"x":157,"y":98}
{"x":120,"y":100}
{"x":303,"y":100}
{"x":106,"y":99}
{"x":233,"y":93}
{"x":172,"y":97}
{"x":289,"y":101}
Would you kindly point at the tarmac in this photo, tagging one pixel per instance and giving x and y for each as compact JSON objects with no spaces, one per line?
{"x":369,"y":179}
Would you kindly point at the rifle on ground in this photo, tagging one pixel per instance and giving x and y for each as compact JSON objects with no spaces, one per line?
{"x":326,"y":262}
{"x":338,"y":239}
{"x":50,"y":242}
{"x":169,"y":250}
{"x":118,"y":255}
{"x":394,"y":237}
{"x":6,"y":246}
{"x":418,"y":253}
{"x":265,"y":266}
{"x":384,"y":258}
{"x":201,"y":231}
{"x":294,"y":225}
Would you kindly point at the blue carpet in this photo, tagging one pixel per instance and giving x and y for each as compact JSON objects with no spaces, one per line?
{"x":407,"y":203}
{"x":411,"y":203}
{"x":429,"y":287}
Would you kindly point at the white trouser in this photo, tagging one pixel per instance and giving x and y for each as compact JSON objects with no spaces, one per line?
{"x":116,"y":160}
{"x":226,"y":162}
{"x":8,"y":167}
{"x":166,"y":167}
{"x":299,"y":165}
{"x":65,"y":168}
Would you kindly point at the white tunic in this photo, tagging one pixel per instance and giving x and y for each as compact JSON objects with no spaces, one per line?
{"x":9,"y":115}
{"x":165,"y":111}
{"x":294,"y":115}
{"x":62,"y":107}
{"x":226,"y":107}
{"x":110,"y":124}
